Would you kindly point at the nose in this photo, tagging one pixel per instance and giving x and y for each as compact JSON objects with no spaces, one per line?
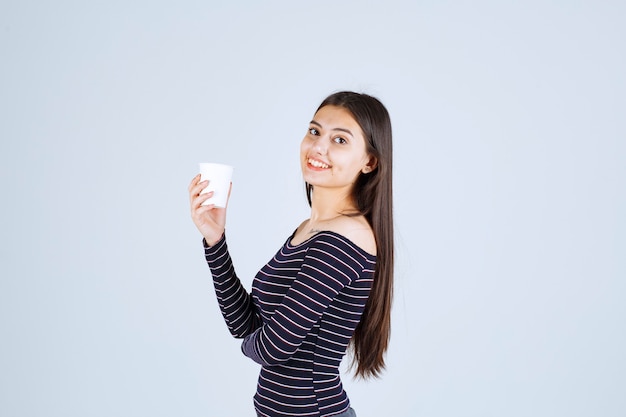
{"x":320,"y":147}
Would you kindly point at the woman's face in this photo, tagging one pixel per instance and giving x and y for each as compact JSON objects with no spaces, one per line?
{"x":333,"y":152}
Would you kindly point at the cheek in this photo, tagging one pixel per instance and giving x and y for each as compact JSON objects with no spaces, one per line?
{"x":304,"y":150}
{"x":306,"y":146}
{"x":303,"y":146}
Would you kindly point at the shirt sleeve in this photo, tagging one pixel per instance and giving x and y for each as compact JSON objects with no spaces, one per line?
{"x":327,"y":268}
{"x":234,"y":301}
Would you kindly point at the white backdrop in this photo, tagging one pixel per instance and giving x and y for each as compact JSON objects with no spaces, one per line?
{"x":510,"y":178}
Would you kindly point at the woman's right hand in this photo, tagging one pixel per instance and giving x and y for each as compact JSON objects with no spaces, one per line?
{"x":210,"y":220}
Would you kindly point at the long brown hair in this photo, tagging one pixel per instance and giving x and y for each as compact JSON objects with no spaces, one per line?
{"x":372,"y":193}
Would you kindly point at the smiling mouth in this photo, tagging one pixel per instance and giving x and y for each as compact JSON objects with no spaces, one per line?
{"x":317,"y":164}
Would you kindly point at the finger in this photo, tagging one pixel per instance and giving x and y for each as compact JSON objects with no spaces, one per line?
{"x":193,"y":182}
{"x":198,"y":199}
{"x":200,"y":211}
{"x":197,"y":189}
{"x":198,"y":186}
{"x":230,"y":188}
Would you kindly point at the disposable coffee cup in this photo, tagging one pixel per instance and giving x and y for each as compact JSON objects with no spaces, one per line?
{"x":219,"y":177}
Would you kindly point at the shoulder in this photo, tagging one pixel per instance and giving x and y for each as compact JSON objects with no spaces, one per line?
{"x":356,"y":230}
{"x":333,"y":252}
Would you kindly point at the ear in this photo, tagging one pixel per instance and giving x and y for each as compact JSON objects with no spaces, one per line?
{"x":370,"y":166}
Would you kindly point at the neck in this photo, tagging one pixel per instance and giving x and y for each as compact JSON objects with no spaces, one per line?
{"x":328,"y":204}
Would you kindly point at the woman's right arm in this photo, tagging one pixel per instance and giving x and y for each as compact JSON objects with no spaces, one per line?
{"x":235,"y":303}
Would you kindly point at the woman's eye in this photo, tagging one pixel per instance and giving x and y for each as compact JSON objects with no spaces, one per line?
{"x":313,"y":131}
{"x":340,"y":140}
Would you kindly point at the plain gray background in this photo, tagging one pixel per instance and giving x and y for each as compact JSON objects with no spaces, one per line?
{"x":510,"y":179}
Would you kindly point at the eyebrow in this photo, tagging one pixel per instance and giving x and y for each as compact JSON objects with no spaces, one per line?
{"x":313,"y":122}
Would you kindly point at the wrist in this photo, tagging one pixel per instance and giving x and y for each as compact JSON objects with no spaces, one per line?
{"x":212,"y":241}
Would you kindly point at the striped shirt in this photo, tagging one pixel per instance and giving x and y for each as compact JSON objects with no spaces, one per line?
{"x":297,"y":322}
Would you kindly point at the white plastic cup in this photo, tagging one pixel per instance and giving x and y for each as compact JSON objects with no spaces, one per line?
{"x":219,"y":176}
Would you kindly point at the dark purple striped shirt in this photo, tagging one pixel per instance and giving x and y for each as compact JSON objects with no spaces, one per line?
{"x":297,"y":322}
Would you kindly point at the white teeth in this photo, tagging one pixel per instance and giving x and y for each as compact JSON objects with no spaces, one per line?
{"x":318,"y":164}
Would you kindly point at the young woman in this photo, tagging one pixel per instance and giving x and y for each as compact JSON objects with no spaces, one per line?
{"x":330,"y":284}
